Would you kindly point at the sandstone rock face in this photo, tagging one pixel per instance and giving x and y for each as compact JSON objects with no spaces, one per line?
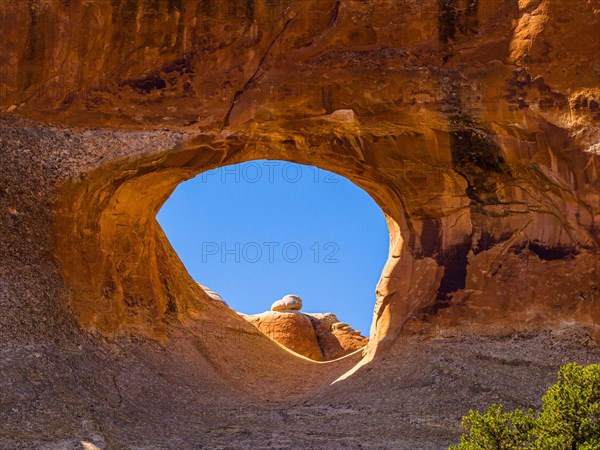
{"x":350,"y":340}
{"x":289,"y":302}
{"x":474,"y":129}
{"x":334,"y":340}
{"x":291,"y":329}
{"x":325,"y":339}
{"x":212,"y":294}
{"x":343,"y":115}
{"x":474,"y":126}
{"x":312,"y":335}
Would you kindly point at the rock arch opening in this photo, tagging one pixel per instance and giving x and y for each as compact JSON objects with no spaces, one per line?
{"x":255,"y":231}
{"x":123,"y":277}
{"x":122,"y":274}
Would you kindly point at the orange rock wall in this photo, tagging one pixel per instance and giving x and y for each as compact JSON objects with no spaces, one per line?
{"x":474,"y":127}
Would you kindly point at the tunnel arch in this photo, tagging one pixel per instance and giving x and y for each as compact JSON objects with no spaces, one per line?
{"x":124,"y":277}
{"x":135,"y":282}
{"x":258,"y":230}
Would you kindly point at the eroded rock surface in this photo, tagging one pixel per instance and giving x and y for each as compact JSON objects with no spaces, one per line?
{"x":474,"y":125}
{"x":336,"y":341}
{"x":291,"y":329}
{"x":475,"y":129}
{"x":212,"y":294}
{"x":289,"y":302}
{"x":321,"y":337}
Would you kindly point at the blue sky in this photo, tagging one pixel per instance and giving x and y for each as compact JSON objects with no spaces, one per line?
{"x":257,"y":231}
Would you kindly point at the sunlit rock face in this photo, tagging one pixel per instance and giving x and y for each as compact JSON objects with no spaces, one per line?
{"x":290,"y":328}
{"x":336,"y":339}
{"x":474,"y":127}
{"x":320,"y":337}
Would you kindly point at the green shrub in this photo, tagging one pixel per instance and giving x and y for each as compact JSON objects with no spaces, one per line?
{"x":569,"y":418}
{"x":496,"y":430}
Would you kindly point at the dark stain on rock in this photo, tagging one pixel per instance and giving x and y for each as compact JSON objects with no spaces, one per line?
{"x":522,"y":83}
{"x":496,"y":269}
{"x":455,"y":261}
{"x":146,"y":85}
{"x":180,"y":66}
{"x":548,"y":253}
{"x":518,"y":88}
{"x":171,"y":306}
{"x":477,"y":157}
{"x":457,"y":16}
{"x":67,"y":102}
{"x":334,"y":14}
{"x":446,"y":20}
{"x":486,"y":241}
{"x":433,"y":308}
{"x":326,"y":101}
{"x":170,"y":74}
{"x":250,"y":11}
{"x":470,"y":23}
{"x":430,"y":238}
{"x":175,"y":5}
{"x":582,"y":104}
{"x":554,"y":100}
